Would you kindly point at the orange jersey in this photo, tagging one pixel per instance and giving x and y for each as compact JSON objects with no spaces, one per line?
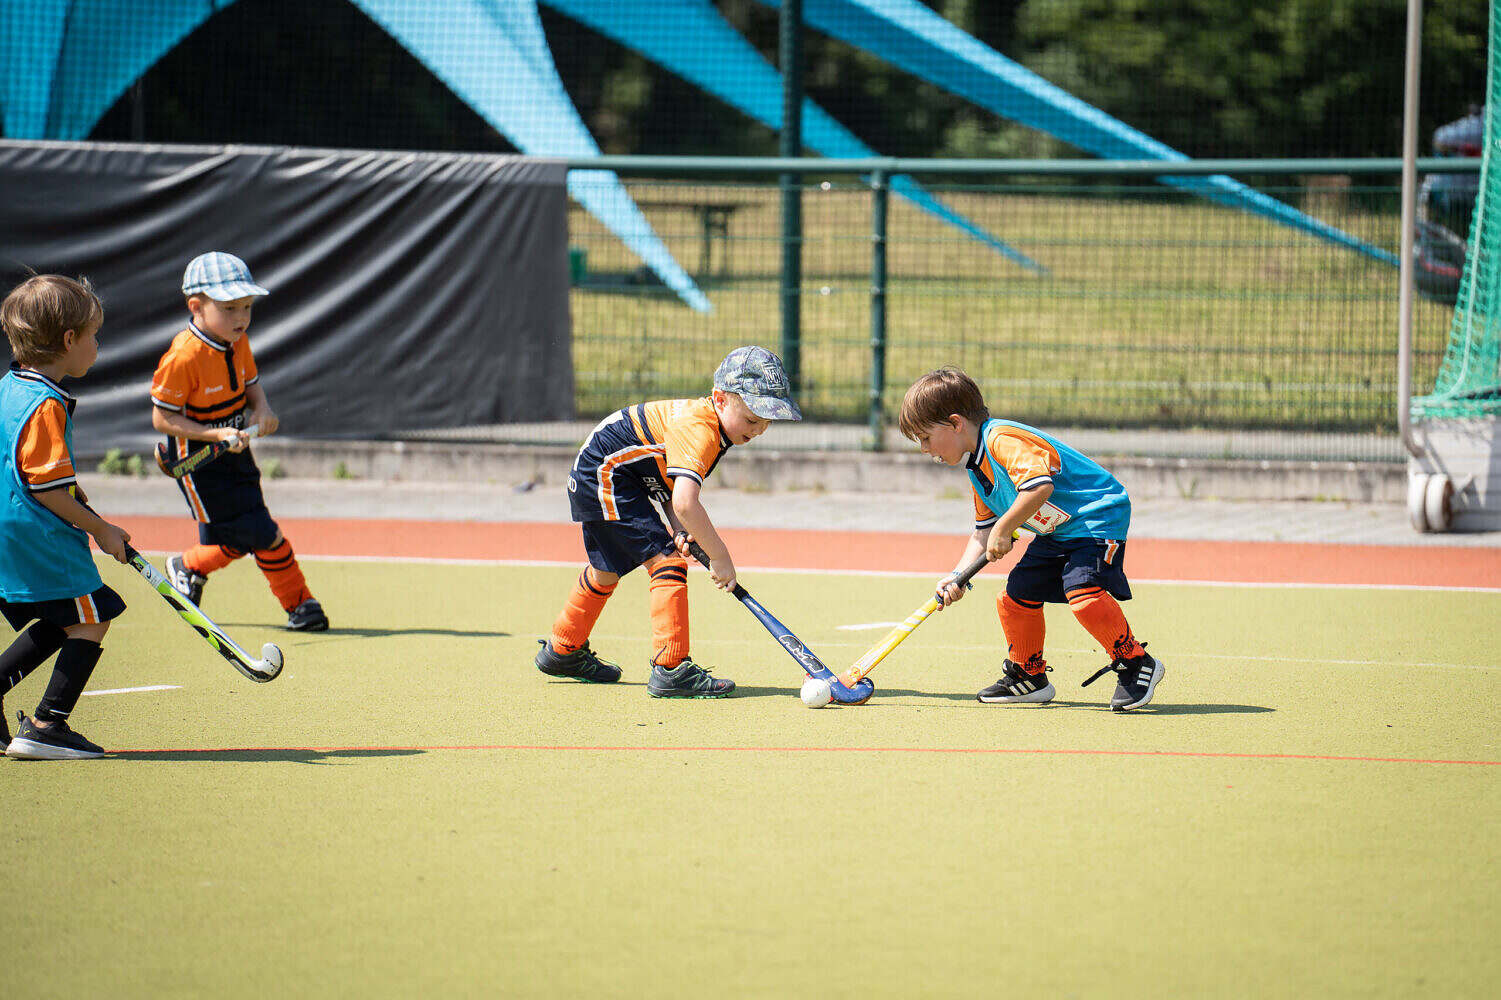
{"x":638,"y":450}
{"x":205,"y":380}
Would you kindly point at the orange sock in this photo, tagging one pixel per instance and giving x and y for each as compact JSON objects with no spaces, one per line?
{"x":573,"y":626}
{"x":1025,"y":629}
{"x":669,"y":612}
{"x":284,"y":575}
{"x":204,"y":559}
{"x":1102,"y":617}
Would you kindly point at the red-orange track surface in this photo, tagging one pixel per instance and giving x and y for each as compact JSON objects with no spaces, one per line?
{"x":1149,"y":559}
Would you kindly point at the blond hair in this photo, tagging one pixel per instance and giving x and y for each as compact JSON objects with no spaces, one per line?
{"x":937,"y":395}
{"x":39,"y":310}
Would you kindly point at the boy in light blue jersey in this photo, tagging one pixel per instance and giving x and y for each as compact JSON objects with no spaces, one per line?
{"x":1079,"y":514}
{"x":47,"y":576}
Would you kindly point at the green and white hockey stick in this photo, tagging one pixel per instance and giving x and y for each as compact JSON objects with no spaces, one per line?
{"x":260,"y":671}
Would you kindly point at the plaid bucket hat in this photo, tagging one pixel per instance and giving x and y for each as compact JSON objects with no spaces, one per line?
{"x":757,"y":376}
{"x":221,"y":276}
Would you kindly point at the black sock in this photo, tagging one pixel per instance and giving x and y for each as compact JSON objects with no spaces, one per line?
{"x":74,"y":665}
{"x":29,"y":651}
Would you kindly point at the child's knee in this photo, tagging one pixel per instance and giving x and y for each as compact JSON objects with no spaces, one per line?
{"x":92,"y":632}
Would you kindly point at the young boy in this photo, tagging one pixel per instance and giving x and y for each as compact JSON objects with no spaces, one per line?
{"x":207,"y":388}
{"x":1079,"y":514}
{"x":47,"y":576}
{"x":660,"y":453}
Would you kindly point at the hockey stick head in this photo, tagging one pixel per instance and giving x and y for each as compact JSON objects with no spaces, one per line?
{"x":161,"y":459}
{"x":814,"y":667}
{"x":270,"y":663}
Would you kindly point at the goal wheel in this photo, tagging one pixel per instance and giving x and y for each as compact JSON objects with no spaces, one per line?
{"x":1417,"y":500}
{"x":1438,"y":503}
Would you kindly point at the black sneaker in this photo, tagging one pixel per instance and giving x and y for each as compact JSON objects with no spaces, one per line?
{"x":4,"y":729}
{"x":686,"y":680}
{"x":56,"y":742}
{"x":307,"y":617}
{"x":185,"y":581}
{"x":1017,"y":687}
{"x":1136,"y":679}
{"x":583,"y":663}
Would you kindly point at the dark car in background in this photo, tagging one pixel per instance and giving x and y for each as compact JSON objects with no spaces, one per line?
{"x":1445,"y":204}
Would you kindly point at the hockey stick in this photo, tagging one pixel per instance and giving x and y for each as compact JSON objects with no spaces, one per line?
{"x":857,"y":694}
{"x":260,"y":671}
{"x":177,"y":468}
{"x":865,"y":664}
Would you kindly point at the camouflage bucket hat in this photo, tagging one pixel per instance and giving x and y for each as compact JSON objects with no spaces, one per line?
{"x":757,"y":376}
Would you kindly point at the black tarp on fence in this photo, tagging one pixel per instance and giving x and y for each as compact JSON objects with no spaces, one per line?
{"x":408,"y":290}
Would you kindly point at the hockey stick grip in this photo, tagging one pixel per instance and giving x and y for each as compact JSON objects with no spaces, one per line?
{"x":697,"y":551}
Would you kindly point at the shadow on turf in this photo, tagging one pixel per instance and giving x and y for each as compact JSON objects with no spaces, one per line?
{"x":1155,"y":708}
{"x":296,"y":755}
{"x":374,"y":633}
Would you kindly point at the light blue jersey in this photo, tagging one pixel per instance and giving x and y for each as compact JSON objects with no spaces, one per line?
{"x":1087,"y":501}
{"x":45,"y":557}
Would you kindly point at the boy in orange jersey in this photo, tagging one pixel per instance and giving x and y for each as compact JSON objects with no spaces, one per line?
{"x":660,"y":453}
{"x":1078,"y":514}
{"x":47,"y":576}
{"x":207,"y":388}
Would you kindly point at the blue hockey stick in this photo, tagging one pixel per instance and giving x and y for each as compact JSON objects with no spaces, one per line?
{"x":812,"y":665}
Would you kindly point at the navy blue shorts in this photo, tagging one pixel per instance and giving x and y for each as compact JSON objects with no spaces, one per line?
{"x":250,"y":532}
{"x":103,"y":605}
{"x":1051,"y":567}
{"x":620,"y":546}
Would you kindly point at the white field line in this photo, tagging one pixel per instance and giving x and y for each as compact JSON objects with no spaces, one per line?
{"x":149,"y":687}
{"x":896,"y":573}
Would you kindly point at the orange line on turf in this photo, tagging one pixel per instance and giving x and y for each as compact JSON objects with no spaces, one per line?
{"x":804,"y":749}
{"x":1148,"y":558}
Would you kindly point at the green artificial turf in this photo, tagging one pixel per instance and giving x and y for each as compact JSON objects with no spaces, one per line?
{"x":474,"y":827}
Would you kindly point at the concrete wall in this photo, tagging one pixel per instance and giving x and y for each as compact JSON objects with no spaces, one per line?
{"x":844,"y":471}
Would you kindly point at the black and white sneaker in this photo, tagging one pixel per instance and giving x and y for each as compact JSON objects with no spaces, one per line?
{"x":1017,"y":687}
{"x":1136,"y":679}
{"x":307,"y":617}
{"x":583,"y":663}
{"x":56,"y":742}
{"x":185,"y":581}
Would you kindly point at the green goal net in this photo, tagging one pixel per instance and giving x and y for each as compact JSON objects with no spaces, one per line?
{"x":1469,"y":378}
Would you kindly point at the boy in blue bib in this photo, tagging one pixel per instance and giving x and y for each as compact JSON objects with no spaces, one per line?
{"x":47,"y":578}
{"x":1079,"y":515}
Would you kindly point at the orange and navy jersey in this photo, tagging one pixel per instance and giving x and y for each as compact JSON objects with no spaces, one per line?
{"x":637,"y":451}
{"x":1087,"y":501}
{"x":205,"y":380}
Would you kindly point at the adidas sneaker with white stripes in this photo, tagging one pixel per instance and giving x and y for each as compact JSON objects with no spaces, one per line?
{"x":1017,"y":687}
{"x":1136,"y":679}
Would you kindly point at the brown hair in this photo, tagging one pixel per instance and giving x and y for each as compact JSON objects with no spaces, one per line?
{"x":41,"y":309}
{"x":936,"y":395}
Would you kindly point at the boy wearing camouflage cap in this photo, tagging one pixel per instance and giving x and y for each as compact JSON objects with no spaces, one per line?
{"x":650,"y":454}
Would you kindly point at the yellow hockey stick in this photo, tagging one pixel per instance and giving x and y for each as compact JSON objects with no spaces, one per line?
{"x":895,"y":637}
